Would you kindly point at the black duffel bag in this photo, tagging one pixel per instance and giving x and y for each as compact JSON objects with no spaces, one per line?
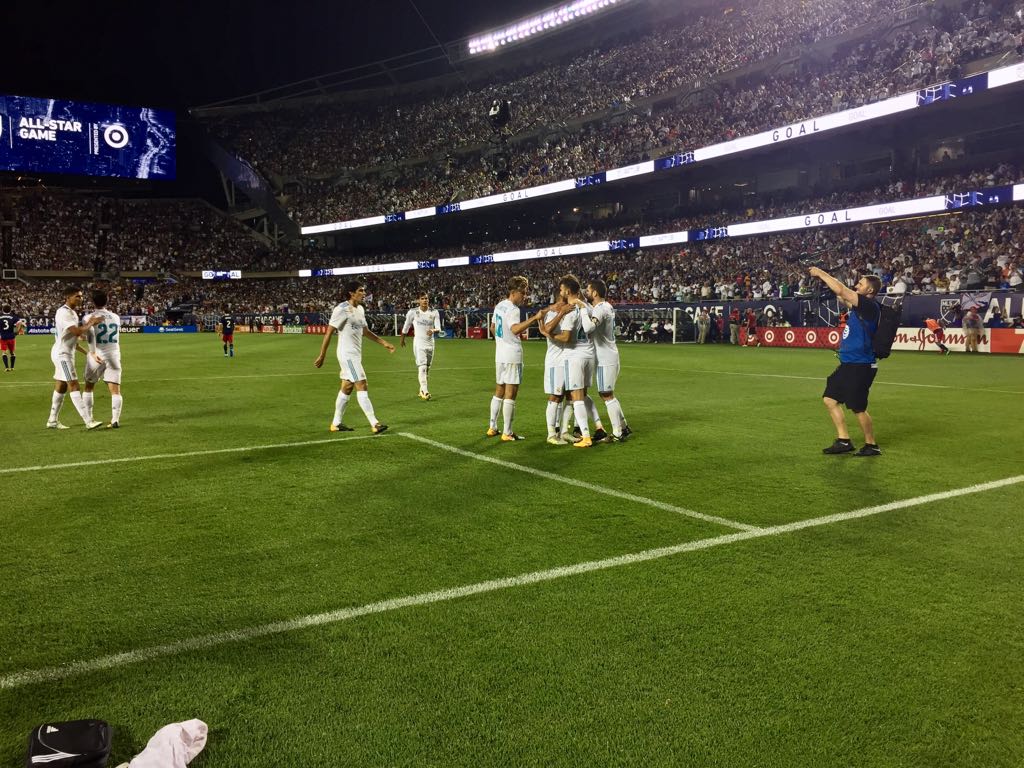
{"x":77,"y":744}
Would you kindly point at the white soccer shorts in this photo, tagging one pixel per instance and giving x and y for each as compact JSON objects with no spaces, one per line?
{"x":424,"y":354}
{"x":109,"y":370}
{"x":554,"y":379}
{"x":63,"y":367}
{"x":352,"y":370}
{"x":508,"y":373}
{"x":579,"y":373}
{"x":606,"y":377}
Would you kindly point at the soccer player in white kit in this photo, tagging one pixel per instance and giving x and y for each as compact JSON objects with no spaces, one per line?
{"x":599,"y":324}
{"x":426,"y":322}
{"x":68,"y":332}
{"x":580,"y":358}
{"x":349,"y":321}
{"x":104,"y":358}
{"x":508,"y":357}
{"x":554,"y":377}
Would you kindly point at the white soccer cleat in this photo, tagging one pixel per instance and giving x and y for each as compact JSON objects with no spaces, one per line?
{"x":56,"y":425}
{"x":93,"y":424}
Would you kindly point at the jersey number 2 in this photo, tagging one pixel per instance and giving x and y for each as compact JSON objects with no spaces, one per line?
{"x":101,"y":333}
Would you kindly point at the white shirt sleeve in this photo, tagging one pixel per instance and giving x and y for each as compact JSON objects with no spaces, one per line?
{"x":590,"y":319}
{"x":339,"y":317}
{"x":569,"y":321}
{"x":437,"y":320}
{"x":408,"y":321}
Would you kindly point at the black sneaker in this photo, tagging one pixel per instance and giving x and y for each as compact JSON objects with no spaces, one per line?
{"x":600,"y":435}
{"x":379,"y":429}
{"x":577,"y":432}
{"x":626,"y":431}
{"x":839,"y":446}
{"x":869,"y":449}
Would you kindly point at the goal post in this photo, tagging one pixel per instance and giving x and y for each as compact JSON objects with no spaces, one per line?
{"x":682,"y":327}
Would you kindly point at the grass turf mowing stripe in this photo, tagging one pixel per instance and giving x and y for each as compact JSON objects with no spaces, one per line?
{"x":49,"y":674}
{"x":822,"y":378}
{"x":585,"y":485}
{"x":154,"y":457}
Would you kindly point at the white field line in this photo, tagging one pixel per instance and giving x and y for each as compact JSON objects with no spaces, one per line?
{"x":157,"y":456}
{"x":821,"y":379}
{"x":582,"y":484}
{"x":73,"y":669}
{"x":404,"y":372}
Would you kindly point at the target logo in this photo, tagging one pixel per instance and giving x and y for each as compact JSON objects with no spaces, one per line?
{"x":790,"y":337}
{"x":116,"y":136}
{"x":833,"y":337}
{"x":769,"y":336}
{"x":812,"y":337}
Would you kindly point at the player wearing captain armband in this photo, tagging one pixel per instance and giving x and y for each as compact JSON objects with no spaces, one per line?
{"x":103,"y":360}
{"x":508,"y":357}
{"x":427,"y":323}
{"x":348,"y":320}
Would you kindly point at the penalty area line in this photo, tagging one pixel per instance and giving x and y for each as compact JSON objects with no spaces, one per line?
{"x":583,"y":484}
{"x":185,"y":455}
{"x":113,"y":661}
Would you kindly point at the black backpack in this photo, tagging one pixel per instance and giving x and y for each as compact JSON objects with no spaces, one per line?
{"x":77,"y":744}
{"x":888,"y":326}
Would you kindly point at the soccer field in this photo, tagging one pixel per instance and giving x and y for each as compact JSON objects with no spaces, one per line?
{"x":714,"y":591}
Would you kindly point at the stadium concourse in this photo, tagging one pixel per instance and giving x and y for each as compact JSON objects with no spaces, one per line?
{"x":309,"y":169}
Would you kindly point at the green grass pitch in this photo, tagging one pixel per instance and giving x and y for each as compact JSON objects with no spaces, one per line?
{"x":890,"y":640}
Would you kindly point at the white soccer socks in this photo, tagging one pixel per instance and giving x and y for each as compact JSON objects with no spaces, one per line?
{"x":55,"y":403}
{"x":616,"y":415}
{"x":88,"y":400}
{"x":495,"y":410}
{"x":116,"y":401}
{"x":367,"y":406}
{"x":423,"y":378}
{"x":554,"y":412}
{"x":79,"y":403}
{"x":566,"y":416}
{"x":339,"y":407}
{"x":579,"y":408}
{"x":508,"y":412}
{"x":592,"y":411}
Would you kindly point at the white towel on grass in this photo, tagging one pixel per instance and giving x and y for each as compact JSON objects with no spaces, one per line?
{"x":173,"y":746}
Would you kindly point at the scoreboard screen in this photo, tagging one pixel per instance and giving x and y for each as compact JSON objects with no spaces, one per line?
{"x":86,"y":139}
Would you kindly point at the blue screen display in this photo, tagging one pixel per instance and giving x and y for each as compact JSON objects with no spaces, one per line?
{"x":81,"y":138}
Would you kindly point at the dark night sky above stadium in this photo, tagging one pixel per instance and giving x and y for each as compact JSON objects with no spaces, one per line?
{"x":158,"y":53}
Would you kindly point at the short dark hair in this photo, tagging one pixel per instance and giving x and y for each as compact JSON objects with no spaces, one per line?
{"x":71,"y":290}
{"x":354,"y":285}
{"x":875,"y":282}
{"x":598,"y":286}
{"x":423,"y":295}
{"x":570,"y":282}
{"x":7,"y":308}
{"x":99,"y":299}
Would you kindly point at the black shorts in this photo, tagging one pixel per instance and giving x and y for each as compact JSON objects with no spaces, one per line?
{"x":850,"y":383}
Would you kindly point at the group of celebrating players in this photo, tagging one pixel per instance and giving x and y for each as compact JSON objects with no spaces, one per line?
{"x":581,"y":350}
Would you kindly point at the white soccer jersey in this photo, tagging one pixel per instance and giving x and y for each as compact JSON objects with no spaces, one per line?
{"x":580,"y":346}
{"x":424,"y":324}
{"x":602,"y":332}
{"x":553,"y":356}
{"x":65,"y":343}
{"x":349,"y":322}
{"x":104,"y":337}
{"x":508,"y":347}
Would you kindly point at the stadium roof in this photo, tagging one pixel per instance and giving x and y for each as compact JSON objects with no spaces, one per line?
{"x":164,"y":55}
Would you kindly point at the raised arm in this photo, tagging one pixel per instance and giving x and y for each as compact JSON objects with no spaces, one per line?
{"x":849,"y":296}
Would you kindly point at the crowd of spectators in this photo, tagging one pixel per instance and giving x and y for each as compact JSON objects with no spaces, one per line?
{"x":875,"y":69}
{"x":177,"y":236}
{"x":973,"y":250}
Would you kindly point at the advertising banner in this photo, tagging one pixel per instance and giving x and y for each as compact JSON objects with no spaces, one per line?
{"x":170,"y":329}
